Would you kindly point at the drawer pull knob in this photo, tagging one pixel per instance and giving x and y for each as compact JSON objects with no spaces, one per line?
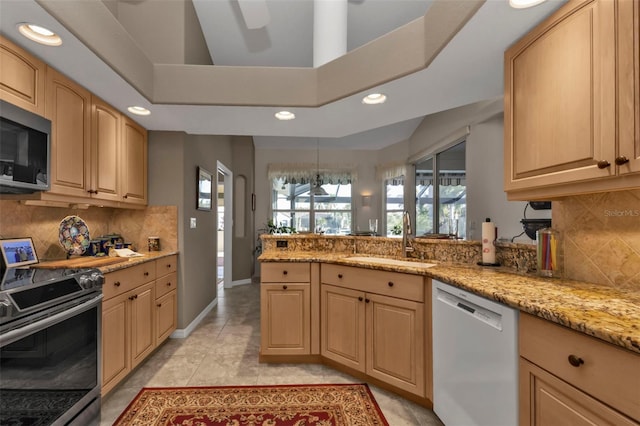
{"x":146,"y":274}
{"x":576,"y":361}
{"x":117,"y":283}
{"x":284,"y":287}
{"x":169,"y":284}
{"x":367,"y":300}
{"x":339,"y":275}
{"x":390,"y":283}
{"x":284,"y":272}
{"x":159,"y":305}
{"x":603,"y":164}
{"x":360,"y":298}
{"x":168,"y":265}
{"x":621,"y":160}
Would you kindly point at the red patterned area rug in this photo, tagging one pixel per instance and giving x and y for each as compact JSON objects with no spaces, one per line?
{"x":282,"y":405}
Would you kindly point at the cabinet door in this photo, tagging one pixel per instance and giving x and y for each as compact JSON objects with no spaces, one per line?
{"x":134,"y":162}
{"x":22,"y":78}
{"x":105,"y":141}
{"x":629,"y":91}
{"x":560,"y":104}
{"x":343,"y":326}
{"x":142,"y":317}
{"x":166,"y":316}
{"x":115,"y":341}
{"x":286,"y":319}
{"x":68,"y":106}
{"x":395,"y":342}
{"x":547,"y":400}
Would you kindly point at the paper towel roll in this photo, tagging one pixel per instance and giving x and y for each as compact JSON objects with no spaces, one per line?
{"x":488,"y":236}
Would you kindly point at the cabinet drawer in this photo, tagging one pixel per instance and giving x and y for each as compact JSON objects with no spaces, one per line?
{"x":604,"y":371}
{"x":166,"y":265}
{"x":394,"y":284}
{"x":165,"y":284}
{"x":118,"y":282}
{"x":124,"y":280}
{"x":285,"y":272}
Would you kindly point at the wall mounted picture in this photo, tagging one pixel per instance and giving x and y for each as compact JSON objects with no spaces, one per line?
{"x":18,"y":252}
{"x":205,"y":185}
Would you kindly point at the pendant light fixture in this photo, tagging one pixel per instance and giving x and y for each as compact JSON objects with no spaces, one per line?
{"x":318,"y":190}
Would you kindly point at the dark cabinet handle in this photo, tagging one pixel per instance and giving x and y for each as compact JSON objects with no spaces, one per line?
{"x":146,"y":274}
{"x":367,"y":300}
{"x":135,"y":296}
{"x":117,"y":283}
{"x":159,"y":305}
{"x":168,"y":265}
{"x":284,"y":287}
{"x":169,"y":284}
{"x":360,"y":298}
{"x":575,"y":360}
{"x":603,"y":164}
{"x":339,"y":275}
{"x":284,"y":272}
{"x":621,"y":160}
{"x":125,"y":196}
{"x":390,"y":283}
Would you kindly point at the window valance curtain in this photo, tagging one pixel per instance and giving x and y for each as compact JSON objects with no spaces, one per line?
{"x":391,"y":171}
{"x":301,"y":173}
{"x":447,"y":178}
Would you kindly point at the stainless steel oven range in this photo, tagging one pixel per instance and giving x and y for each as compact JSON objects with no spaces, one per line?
{"x":50,"y":346}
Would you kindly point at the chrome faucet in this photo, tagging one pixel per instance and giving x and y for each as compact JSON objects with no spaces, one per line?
{"x":407,"y":247}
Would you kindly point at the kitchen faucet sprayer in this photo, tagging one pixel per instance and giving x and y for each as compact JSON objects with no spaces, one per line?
{"x":406,"y":232}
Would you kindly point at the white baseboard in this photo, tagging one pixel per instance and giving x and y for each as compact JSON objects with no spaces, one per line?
{"x":241,"y":282}
{"x":181,"y":333}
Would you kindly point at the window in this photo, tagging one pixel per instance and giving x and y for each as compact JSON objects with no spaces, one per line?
{"x":441,"y":204}
{"x":394,"y":205}
{"x":294,"y":207}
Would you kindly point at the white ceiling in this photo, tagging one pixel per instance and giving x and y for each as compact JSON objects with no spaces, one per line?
{"x":468,"y":70}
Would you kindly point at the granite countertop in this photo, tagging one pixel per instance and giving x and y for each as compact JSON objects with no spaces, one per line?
{"x":610,"y":314}
{"x":148,"y":257}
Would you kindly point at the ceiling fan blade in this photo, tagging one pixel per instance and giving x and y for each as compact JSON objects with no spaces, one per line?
{"x":255,"y":13}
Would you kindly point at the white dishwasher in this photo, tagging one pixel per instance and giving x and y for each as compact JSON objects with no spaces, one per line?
{"x":475,"y":359}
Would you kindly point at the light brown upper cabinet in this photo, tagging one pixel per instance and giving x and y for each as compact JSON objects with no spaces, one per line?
{"x":134,"y":163}
{"x":68,"y":107}
{"x":21,"y":78}
{"x":571,"y":103}
{"x":106,"y":124}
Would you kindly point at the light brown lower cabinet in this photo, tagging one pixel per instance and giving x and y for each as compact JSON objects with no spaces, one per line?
{"x":569,"y":378}
{"x":139,"y":311}
{"x":286,"y":329}
{"x":377,"y":334}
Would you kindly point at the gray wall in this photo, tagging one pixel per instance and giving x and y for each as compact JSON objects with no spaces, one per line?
{"x":173,"y":161}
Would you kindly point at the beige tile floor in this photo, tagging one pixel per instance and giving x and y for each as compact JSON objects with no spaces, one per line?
{"x":223,"y":350}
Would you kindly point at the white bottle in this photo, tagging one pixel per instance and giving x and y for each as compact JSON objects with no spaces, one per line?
{"x":488,"y":238}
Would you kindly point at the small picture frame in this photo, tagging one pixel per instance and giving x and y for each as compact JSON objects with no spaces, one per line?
{"x":204,"y":190}
{"x":18,"y":252}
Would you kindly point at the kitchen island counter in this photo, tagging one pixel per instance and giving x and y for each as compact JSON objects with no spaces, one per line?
{"x":608,"y":313}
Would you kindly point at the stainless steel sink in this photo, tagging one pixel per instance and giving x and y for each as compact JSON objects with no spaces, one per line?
{"x":391,"y":262}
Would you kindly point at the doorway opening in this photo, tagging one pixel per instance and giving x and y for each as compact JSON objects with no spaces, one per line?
{"x":224,"y":205}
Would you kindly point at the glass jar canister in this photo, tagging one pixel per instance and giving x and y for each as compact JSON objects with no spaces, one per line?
{"x":549,"y":252}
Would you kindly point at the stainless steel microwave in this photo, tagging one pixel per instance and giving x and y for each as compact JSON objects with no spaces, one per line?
{"x":25,"y":147}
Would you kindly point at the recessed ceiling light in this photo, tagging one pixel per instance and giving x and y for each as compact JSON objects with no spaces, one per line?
{"x":374,"y":98}
{"x":138,"y":110}
{"x":39,"y":34}
{"x":523,"y":4}
{"x":285,"y":115}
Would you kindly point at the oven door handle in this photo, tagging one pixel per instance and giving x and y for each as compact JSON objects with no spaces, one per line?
{"x":22,"y":332}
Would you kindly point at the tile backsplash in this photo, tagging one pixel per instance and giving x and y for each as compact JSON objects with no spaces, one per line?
{"x":42,"y":225}
{"x":601,"y":235}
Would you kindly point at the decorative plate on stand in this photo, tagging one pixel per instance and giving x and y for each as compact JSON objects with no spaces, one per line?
{"x":74,"y":235}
